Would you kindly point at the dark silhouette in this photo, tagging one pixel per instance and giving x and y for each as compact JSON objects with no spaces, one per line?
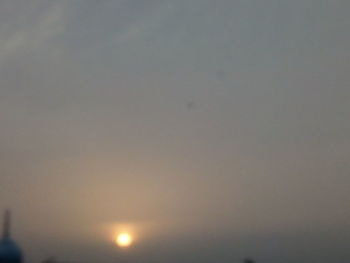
{"x":9,"y":251}
{"x":51,"y":260}
{"x":248,"y":260}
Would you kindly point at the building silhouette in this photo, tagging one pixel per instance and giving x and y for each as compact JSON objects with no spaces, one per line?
{"x":9,"y":250}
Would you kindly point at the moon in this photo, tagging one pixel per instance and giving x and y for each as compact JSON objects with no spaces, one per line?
{"x":124,"y":240}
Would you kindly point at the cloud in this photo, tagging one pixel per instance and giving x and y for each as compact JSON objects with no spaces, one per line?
{"x":26,"y":37}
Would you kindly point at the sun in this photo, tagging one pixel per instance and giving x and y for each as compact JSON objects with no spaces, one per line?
{"x":124,"y":240}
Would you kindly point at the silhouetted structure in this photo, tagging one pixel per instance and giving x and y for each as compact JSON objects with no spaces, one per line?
{"x":51,"y":260}
{"x":9,"y":251}
{"x":248,"y":260}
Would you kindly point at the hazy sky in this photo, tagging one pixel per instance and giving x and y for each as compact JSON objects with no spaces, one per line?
{"x":216,"y":129}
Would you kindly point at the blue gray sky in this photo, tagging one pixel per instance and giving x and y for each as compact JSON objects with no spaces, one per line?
{"x":216,"y":129}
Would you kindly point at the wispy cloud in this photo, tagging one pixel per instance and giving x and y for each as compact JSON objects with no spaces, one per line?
{"x":32,"y":36}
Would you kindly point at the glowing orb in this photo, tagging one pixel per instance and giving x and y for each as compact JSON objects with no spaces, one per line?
{"x":124,"y":240}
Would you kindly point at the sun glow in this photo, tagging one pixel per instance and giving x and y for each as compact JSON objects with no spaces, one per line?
{"x":124,"y":240}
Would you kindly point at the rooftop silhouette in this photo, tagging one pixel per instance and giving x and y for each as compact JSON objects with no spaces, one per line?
{"x":9,"y":250}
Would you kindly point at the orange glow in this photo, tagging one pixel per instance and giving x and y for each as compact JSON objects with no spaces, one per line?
{"x":124,"y":240}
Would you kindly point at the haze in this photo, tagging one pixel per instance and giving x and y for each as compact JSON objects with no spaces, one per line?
{"x":218,"y":129}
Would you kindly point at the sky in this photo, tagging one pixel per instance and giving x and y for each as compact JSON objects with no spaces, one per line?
{"x":215,"y":130}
